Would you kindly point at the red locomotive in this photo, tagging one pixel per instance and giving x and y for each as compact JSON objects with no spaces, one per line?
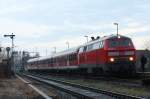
{"x":109,"y":54}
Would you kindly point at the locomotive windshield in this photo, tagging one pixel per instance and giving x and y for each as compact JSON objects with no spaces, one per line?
{"x":120,"y":43}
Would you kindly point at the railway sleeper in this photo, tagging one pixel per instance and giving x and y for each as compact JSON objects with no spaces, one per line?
{"x":146,"y":82}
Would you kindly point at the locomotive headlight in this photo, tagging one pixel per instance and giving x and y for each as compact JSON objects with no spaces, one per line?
{"x":112,"y":59}
{"x":131,"y":58}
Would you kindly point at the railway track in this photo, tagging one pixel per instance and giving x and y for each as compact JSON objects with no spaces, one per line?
{"x":130,"y":82}
{"x":81,"y":91}
{"x":143,"y":74}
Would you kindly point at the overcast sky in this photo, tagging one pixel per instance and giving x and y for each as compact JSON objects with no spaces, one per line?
{"x":41,"y":25}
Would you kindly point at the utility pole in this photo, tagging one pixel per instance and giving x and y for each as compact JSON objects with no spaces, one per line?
{"x":12,"y":38}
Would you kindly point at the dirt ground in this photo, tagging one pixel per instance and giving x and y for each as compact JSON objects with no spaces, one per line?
{"x":14,"y":88}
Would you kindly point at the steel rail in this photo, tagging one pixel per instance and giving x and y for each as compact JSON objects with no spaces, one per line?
{"x":44,"y":96}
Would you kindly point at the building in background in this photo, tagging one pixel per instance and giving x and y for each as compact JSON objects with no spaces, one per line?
{"x":21,"y":58}
{"x":146,"y":53}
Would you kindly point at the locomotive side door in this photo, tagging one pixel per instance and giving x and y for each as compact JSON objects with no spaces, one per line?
{"x":82,"y":56}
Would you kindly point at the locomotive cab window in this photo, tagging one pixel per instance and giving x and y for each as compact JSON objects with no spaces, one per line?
{"x":120,"y":43}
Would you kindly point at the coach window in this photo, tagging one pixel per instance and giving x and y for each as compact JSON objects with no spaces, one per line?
{"x":43,"y":62}
{"x":62,"y":58}
{"x":54,"y":60}
{"x":50,"y":60}
{"x":75,"y":57}
{"x":69,"y":57}
{"x":72,"y":57}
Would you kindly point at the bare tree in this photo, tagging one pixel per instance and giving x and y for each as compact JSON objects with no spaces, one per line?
{"x":146,"y":44}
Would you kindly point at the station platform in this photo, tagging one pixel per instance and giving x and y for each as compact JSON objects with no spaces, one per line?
{"x":14,"y":88}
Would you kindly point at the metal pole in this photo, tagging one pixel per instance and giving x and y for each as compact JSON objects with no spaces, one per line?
{"x":54,"y":49}
{"x":12,"y":38}
{"x":117,"y":28}
{"x":46,"y":51}
{"x":67,"y":44}
{"x":67,"y":55}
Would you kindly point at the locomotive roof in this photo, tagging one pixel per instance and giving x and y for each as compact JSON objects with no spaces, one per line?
{"x":104,"y":38}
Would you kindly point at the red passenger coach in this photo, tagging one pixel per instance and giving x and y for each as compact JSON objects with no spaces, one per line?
{"x":110,"y":54}
{"x":62,"y":60}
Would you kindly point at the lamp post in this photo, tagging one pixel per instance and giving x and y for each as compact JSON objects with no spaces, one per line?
{"x":12,"y":38}
{"x":67,"y":55}
{"x":46,"y":51}
{"x":67,"y":44}
{"x":117,"y":28}
{"x":86,"y":38}
{"x":54,"y":49}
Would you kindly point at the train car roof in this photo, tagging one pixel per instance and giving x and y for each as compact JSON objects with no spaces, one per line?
{"x":32,"y":60}
{"x":69,"y":51}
